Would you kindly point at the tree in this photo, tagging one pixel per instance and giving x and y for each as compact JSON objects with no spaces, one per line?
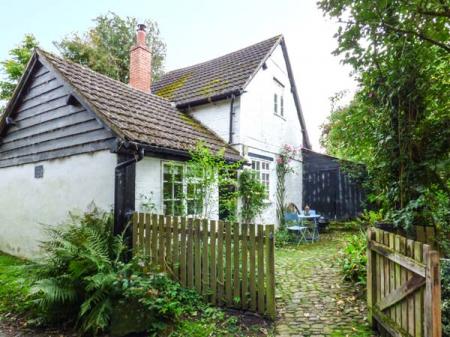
{"x":398,"y":122}
{"x":14,"y":67}
{"x":105,"y":48}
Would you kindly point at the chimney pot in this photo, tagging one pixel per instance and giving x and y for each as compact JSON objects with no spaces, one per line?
{"x":140,"y":62}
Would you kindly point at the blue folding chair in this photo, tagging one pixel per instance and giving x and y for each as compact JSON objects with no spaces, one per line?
{"x":295,"y":226}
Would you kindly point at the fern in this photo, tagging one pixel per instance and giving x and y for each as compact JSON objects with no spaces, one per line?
{"x":80,"y":268}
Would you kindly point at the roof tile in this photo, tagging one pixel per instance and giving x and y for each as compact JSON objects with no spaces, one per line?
{"x":138,"y":116}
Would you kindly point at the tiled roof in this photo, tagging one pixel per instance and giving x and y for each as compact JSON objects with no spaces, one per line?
{"x":215,"y":78}
{"x":135,"y":115}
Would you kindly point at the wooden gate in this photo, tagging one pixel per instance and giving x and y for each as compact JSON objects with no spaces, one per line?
{"x":230,"y":264}
{"x":403,"y":286}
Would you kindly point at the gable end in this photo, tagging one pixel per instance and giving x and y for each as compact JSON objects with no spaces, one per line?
{"x":46,"y":122}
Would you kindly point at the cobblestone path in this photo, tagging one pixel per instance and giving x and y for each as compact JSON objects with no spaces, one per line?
{"x":312,"y":298}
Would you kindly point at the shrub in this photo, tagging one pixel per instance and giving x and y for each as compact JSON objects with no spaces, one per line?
{"x":353,"y":259}
{"x":282,"y":238}
{"x":85,"y":280}
{"x":253,"y":195}
{"x":445,"y":274}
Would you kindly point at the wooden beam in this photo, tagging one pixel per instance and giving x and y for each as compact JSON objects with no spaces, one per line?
{"x":391,"y":254}
{"x":388,"y":324}
{"x":432,"y":298}
{"x":399,"y":294}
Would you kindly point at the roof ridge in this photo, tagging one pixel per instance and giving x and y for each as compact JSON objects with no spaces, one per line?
{"x":46,"y":53}
{"x":276,"y":37}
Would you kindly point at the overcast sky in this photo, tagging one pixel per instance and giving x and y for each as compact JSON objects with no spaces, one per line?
{"x":197,"y":30}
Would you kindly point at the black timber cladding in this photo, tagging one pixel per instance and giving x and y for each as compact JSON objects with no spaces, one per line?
{"x":47,"y":124}
{"x":329,"y":189}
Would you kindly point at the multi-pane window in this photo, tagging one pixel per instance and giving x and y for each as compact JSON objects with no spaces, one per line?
{"x":278,"y":98}
{"x":173,"y":181}
{"x":181,"y":191}
{"x":262,"y":170}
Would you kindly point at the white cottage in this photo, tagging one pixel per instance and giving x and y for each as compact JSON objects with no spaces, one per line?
{"x":70,"y":136}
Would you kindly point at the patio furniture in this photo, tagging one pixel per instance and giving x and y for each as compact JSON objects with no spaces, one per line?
{"x":293,"y":220}
{"x":310,"y":221}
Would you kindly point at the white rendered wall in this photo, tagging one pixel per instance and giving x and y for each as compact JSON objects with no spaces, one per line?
{"x":216,"y":117}
{"x":69,"y":184}
{"x":264,"y":133}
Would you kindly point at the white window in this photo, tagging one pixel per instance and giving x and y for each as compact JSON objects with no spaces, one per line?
{"x":180,"y":193}
{"x":278,"y":98}
{"x":262,"y":170}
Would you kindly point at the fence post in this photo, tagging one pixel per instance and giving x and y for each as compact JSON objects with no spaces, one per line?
{"x":371,"y":278}
{"x":432,"y":296}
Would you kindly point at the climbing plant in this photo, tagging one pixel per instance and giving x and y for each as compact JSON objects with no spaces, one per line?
{"x":283,"y":168}
{"x":252,"y":194}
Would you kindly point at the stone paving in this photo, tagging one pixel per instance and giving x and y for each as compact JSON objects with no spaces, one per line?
{"x":312,"y":298}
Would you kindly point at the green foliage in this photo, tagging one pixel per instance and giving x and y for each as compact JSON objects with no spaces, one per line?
{"x":105,"y":48}
{"x":253,"y":196}
{"x":353,"y":259}
{"x":207,"y":172}
{"x":398,"y":122}
{"x":283,"y":238}
{"x":77,"y":279}
{"x":445,"y":276}
{"x":14,"y":67}
{"x":14,"y":286}
{"x":283,"y":168}
{"x":84,"y":277}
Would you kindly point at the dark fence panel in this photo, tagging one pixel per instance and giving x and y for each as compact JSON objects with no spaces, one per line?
{"x":328,"y":189}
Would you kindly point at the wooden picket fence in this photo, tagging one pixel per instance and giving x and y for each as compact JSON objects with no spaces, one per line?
{"x":403,"y":286}
{"x":230,"y":264}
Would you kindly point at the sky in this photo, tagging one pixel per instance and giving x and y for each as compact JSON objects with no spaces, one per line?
{"x":198,"y":30}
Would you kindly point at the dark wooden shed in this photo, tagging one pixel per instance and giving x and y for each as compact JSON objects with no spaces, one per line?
{"x":330,"y":188}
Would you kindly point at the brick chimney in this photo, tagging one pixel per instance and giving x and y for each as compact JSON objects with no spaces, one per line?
{"x":141,"y":62}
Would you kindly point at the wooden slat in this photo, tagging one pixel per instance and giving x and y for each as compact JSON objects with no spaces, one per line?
{"x":244,"y":290}
{"x":197,"y":257}
{"x":371,"y":278}
{"x":432,"y":296}
{"x":252,"y":273}
{"x":220,"y":266}
{"x":261,"y":291}
{"x":162,"y":242}
{"x":155,"y":226}
{"x":148,"y":229}
{"x":392,"y":311}
{"x":168,"y":243}
{"x":183,"y":253}
{"x":135,"y":231}
{"x":190,"y":254}
{"x":410,"y":298}
{"x":270,"y":271}
{"x":141,"y":227}
{"x":205,"y":258}
{"x":236,"y":266}
{"x":404,"y":261}
{"x":418,"y":297}
{"x":175,"y":247}
{"x":384,"y":269}
{"x":213,"y":270}
{"x":378,"y":238}
{"x":398,"y":309}
{"x":403,"y":279}
{"x":228,"y":288}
